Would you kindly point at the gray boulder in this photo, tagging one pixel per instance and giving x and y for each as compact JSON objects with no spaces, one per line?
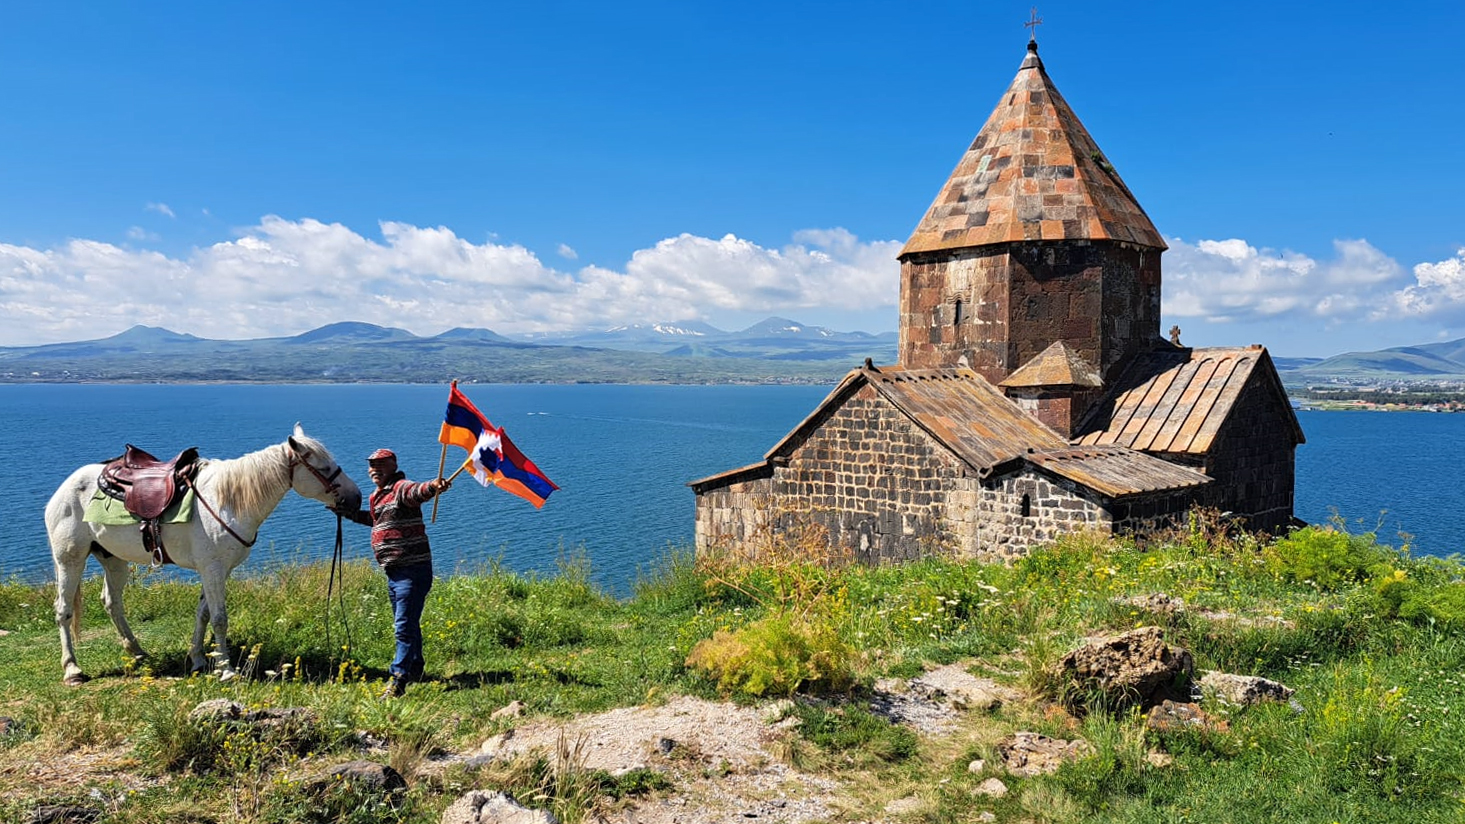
{"x":1243,"y":690}
{"x":1134,"y":667}
{"x":480,"y":807}
{"x":1026,"y":754}
{"x":64,"y":814}
{"x":1173,"y":716}
{"x":1154,"y":603}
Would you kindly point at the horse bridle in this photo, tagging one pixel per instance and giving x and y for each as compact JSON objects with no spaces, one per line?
{"x":328,"y":482}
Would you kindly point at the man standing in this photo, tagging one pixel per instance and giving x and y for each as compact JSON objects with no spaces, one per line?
{"x":399,"y":541}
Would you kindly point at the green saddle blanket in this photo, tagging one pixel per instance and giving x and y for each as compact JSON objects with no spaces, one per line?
{"x":104,"y":509}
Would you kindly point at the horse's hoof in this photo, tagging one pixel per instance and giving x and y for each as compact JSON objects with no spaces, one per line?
{"x":76,"y":679}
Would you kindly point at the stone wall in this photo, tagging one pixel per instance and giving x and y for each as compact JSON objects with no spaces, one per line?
{"x":1253,"y":459}
{"x":883,"y":490}
{"x":1025,"y":508}
{"x":932,"y":336}
{"x":1000,"y":306}
{"x":878,"y":483}
{"x":734,"y":510}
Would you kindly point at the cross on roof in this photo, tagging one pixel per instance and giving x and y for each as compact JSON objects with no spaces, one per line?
{"x":1032,"y":25}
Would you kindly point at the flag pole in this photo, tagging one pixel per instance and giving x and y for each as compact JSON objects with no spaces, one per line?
{"x":442,"y":462}
{"x":455,"y":475}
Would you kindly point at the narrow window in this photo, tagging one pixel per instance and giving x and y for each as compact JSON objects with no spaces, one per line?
{"x":1027,"y":506}
{"x":958,"y":313}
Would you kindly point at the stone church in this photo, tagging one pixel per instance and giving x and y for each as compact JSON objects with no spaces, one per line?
{"x":1035,"y":394}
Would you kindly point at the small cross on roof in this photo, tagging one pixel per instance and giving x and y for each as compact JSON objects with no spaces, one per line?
{"x":1032,"y":25}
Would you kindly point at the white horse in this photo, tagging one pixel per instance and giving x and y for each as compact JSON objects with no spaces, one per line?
{"x":233,"y":499}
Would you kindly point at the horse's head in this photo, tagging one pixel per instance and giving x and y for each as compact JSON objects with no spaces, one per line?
{"x":315,"y":474}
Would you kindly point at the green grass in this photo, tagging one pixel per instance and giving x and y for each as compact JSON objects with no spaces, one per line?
{"x":1372,"y":639}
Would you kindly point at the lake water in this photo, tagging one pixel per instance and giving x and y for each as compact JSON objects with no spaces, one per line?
{"x":622,"y":456}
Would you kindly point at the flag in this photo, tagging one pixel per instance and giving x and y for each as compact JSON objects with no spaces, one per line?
{"x":492,"y":458}
{"x":463,"y":423}
{"x":497,"y":462}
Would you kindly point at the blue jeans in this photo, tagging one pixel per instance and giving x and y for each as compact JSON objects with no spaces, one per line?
{"x":408,"y":587}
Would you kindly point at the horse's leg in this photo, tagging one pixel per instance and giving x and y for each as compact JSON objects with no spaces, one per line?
{"x":196,"y":660}
{"x":213,"y":593}
{"x":68,"y":616}
{"x":115,"y":573}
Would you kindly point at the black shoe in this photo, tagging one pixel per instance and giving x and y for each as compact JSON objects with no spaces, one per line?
{"x":395,"y":687}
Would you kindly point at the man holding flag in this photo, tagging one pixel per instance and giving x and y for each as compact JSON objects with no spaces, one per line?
{"x":399,"y":542}
{"x":398,"y":534}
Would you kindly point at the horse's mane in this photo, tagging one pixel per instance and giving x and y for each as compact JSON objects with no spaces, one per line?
{"x":252,"y":482}
{"x":256,"y":481}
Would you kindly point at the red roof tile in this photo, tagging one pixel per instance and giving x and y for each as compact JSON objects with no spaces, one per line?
{"x":1032,"y":173}
{"x":1117,"y":472}
{"x":1176,"y":400}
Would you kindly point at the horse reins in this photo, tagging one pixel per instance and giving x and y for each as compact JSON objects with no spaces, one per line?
{"x":198,"y":494}
{"x":338,"y":564}
{"x":337,"y":572}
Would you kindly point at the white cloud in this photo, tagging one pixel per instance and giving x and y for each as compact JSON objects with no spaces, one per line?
{"x":565,"y":251}
{"x":1232,"y":281}
{"x":160,"y":208}
{"x":140,"y":234}
{"x":1438,"y":291}
{"x":283,"y":277}
{"x":1359,"y":298}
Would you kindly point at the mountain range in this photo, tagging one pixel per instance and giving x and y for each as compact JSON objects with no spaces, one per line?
{"x":776,"y":350}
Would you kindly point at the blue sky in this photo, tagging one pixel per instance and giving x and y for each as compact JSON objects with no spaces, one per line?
{"x":234,"y":170}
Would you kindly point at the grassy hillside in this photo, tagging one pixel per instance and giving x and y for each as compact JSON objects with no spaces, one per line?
{"x":1372,"y":639}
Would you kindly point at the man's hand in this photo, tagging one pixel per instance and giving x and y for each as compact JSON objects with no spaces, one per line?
{"x":440,"y":485}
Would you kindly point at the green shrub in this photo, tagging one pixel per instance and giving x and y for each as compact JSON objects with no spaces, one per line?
{"x":777,"y":655}
{"x":1364,"y":741}
{"x":1327,"y":558}
{"x":1417,"y":599}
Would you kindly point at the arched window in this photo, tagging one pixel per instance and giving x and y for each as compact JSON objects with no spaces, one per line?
{"x":957,"y":316}
{"x":1027,"y":506}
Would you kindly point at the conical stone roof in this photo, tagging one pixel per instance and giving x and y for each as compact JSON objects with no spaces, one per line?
{"x":1032,"y":173}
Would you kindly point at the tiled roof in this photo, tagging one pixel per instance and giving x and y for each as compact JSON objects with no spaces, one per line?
{"x":1175,"y":400}
{"x":985,"y":430}
{"x":1032,"y":173}
{"x":1058,"y":365}
{"x":1115,"y":471}
{"x":958,"y":407}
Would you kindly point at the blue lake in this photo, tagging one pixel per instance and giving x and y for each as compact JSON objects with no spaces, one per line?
{"x":622,"y":456}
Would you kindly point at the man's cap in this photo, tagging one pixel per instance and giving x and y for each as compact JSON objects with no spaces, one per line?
{"x":382,"y":455}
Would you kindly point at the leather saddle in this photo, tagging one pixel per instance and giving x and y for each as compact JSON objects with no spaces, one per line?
{"x":147,"y":486}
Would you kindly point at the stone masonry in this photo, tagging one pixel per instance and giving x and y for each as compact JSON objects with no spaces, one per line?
{"x":999,"y":307}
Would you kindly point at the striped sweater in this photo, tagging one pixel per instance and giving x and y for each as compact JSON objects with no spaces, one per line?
{"x":398,"y":535}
